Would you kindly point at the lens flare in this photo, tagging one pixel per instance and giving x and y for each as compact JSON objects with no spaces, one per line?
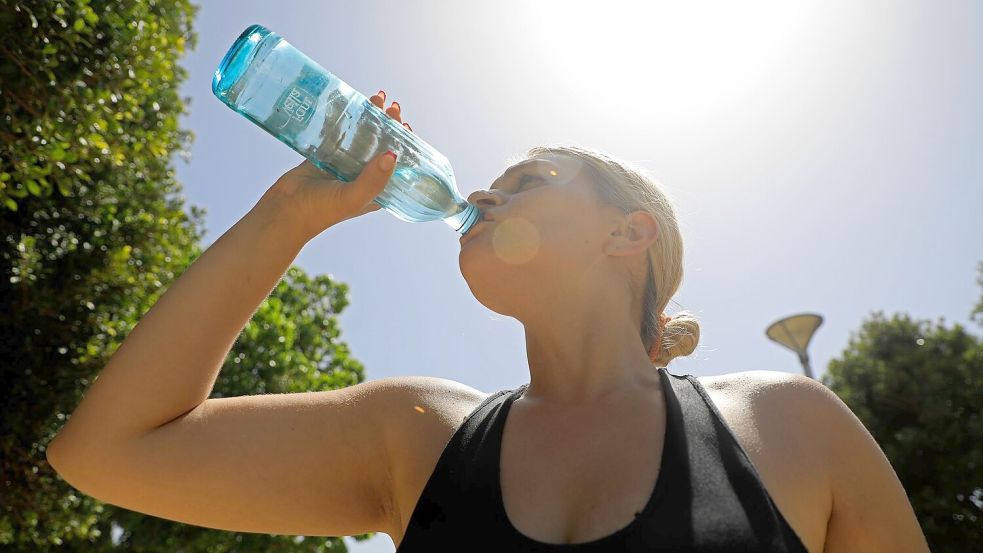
{"x":516,"y":241}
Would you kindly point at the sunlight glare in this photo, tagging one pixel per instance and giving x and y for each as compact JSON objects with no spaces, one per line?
{"x":675,"y":61}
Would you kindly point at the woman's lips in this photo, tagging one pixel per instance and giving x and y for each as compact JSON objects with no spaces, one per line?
{"x":484,"y":219}
{"x":470,"y":234}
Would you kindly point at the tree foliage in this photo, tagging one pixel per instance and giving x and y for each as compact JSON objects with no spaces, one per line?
{"x":977,"y":314}
{"x":92,"y":231}
{"x":918,"y":388}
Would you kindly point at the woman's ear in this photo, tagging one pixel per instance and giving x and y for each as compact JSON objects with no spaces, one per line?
{"x":633,"y":233}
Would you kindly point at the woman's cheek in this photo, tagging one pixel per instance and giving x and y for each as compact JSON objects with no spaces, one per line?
{"x":516,"y":240}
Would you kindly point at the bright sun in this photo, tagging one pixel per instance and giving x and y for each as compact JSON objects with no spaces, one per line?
{"x":687,"y":60}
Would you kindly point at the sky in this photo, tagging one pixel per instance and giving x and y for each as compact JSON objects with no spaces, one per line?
{"x":822,"y":157}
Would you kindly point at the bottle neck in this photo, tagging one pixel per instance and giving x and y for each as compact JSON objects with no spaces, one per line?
{"x":463,"y":220}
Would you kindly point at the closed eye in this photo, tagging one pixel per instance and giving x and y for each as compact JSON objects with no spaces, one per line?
{"x":525,"y":179}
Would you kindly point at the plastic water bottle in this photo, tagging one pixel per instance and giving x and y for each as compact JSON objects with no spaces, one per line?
{"x":277,"y":87}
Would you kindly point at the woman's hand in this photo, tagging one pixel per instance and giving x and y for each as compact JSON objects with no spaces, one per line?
{"x":315,"y":201}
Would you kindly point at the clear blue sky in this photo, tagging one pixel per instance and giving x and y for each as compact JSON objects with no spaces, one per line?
{"x":824,"y":157}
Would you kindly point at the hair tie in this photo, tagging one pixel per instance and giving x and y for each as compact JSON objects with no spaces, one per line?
{"x":657,"y":346}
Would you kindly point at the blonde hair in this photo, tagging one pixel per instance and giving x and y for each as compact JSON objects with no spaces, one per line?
{"x":630,"y":188}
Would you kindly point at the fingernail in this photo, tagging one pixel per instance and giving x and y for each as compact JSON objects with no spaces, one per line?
{"x":383,"y":94}
{"x":396,"y":104}
{"x":407,"y":125}
{"x":388,"y":160}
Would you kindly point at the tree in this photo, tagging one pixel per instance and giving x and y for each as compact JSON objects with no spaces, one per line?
{"x":977,"y":313}
{"x":918,"y":388}
{"x":92,"y":231}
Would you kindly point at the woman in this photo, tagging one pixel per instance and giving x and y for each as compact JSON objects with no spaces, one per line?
{"x":600,"y":451}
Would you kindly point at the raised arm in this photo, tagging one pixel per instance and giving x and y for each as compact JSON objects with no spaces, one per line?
{"x":169,"y":362}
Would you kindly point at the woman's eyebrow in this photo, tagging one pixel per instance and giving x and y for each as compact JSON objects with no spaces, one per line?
{"x":518,"y":167}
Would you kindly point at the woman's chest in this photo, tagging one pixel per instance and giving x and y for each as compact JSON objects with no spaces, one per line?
{"x":580,"y":478}
{"x":590,"y":476}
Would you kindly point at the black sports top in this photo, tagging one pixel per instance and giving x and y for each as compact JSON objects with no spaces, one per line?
{"x":707,"y":496}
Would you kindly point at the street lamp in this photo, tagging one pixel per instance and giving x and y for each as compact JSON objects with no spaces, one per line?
{"x":794,"y":333}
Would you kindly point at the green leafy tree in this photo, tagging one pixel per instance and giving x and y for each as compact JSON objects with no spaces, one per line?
{"x":92,"y":231}
{"x":918,"y":388}
{"x":977,"y":314}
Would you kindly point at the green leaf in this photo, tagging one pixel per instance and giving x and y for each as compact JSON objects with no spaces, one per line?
{"x":78,"y":25}
{"x":32,"y":187}
{"x":10,"y":203}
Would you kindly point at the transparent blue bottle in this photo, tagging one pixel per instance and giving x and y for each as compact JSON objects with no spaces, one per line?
{"x":277,"y":87}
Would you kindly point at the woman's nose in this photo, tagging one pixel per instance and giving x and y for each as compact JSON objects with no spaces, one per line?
{"x":485,"y":197}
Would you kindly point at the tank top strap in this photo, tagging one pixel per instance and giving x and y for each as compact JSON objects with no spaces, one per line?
{"x":727,"y":498}
{"x":459,"y":487}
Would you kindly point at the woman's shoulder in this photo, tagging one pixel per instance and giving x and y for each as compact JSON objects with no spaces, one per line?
{"x":776,"y":405}
{"x":774,"y":416}
{"x":423,"y":415}
{"x":431,"y":394}
{"x":754,"y":385}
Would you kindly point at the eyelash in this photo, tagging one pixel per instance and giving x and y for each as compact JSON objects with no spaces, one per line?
{"x":523,"y":180}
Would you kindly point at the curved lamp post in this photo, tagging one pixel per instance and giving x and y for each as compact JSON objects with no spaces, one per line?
{"x":794,"y":333}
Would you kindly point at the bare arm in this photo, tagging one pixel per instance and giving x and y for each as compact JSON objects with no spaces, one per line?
{"x":146,"y":437}
{"x":870,"y":509}
{"x":167,"y":365}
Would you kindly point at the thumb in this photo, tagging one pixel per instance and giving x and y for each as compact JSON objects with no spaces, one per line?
{"x":371,"y":181}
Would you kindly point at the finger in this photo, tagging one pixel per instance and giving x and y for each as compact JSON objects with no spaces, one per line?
{"x":369,"y":184}
{"x":370,"y":207}
{"x":394,"y":111}
{"x":378,"y":99}
{"x":305,"y":166}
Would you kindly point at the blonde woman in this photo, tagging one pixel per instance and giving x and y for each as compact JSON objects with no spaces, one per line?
{"x":603,"y":449}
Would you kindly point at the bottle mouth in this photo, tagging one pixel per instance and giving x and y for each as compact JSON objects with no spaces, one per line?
{"x":238,"y":57}
{"x":472,"y":216}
